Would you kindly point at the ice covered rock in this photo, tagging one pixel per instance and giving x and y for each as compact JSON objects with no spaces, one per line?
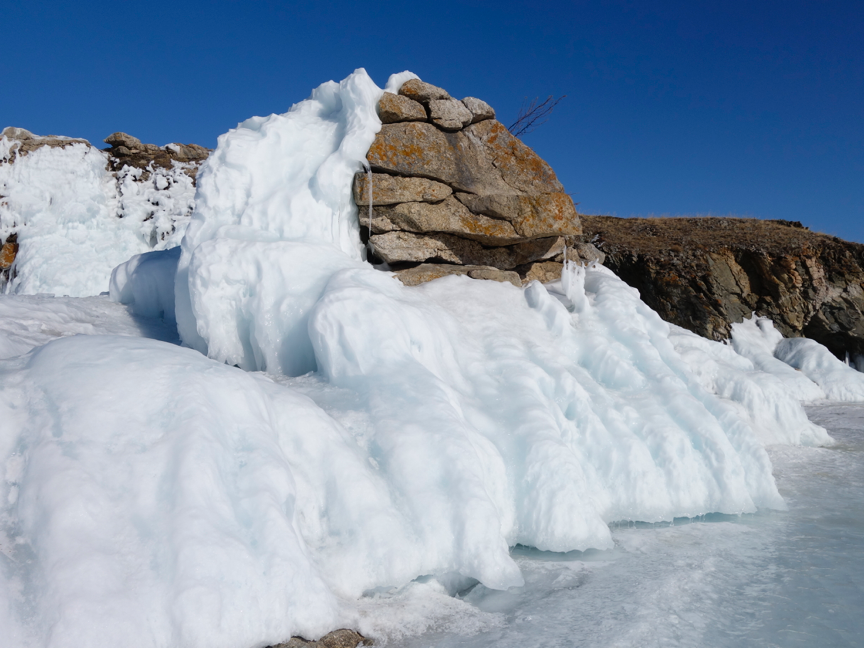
{"x":756,"y":339}
{"x":839,"y":381}
{"x":75,"y":212}
{"x":21,"y":142}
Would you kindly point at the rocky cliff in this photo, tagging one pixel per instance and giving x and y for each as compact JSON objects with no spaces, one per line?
{"x":705,"y":273}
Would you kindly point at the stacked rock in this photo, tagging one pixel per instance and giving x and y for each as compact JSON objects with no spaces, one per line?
{"x":453,"y":192}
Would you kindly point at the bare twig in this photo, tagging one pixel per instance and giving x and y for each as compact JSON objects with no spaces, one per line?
{"x":533,"y":114}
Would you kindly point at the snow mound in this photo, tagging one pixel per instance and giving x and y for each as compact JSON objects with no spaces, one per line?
{"x":29,"y":321}
{"x":274,"y":179}
{"x":756,"y":339}
{"x":839,"y":381}
{"x":177,"y":519}
{"x":770,"y":399}
{"x":146,"y":283}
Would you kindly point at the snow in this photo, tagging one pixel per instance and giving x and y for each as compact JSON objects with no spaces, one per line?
{"x":769,"y":579}
{"x":756,"y":339}
{"x":146,"y":283}
{"x":770,"y":399}
{"x":75,"y":222}
{"x":29,"y":321}
{"x":839,"y":381}
{"x":337,"y":449}
{"x":807,"y":369}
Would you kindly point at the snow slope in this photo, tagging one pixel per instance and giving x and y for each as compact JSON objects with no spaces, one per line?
{"x":808,"y":369}
{"x":151,"y":495}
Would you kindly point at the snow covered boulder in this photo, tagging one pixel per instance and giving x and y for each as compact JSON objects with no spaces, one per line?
{"x":71,"y":213}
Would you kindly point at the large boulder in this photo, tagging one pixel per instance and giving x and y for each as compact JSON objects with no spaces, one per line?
{"x":456,"y":187}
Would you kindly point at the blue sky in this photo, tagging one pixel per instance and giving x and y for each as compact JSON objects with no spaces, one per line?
{"x":745,"y":108}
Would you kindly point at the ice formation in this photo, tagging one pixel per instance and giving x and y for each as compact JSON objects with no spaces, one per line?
{"x":75,"y":221}
{"x":153,"y":496}
{"x":808,"y":370}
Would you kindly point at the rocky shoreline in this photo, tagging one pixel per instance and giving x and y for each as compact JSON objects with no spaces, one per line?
{"x":706,"y":273}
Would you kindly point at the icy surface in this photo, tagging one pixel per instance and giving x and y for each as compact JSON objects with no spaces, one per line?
{"x":769,"y":397}
{"x":770,"y":579}
{"x":29,"y":321}
{"x":75,"y":222}
{"x":146,"y":283}
{"x":756,"y":339}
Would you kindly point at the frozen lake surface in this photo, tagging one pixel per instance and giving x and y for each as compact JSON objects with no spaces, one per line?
{"x":792,"y":578}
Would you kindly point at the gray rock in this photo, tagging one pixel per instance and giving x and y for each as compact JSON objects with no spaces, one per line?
{"x":520,"y":167}
{"x":431,"y":271}
{"x":551,"y":214}
{"x":187,"y":152}
{"x":421,"y":91}
{"x":448,"y":217}
{"x":337,"y":639}
{"x":542,"y":271}
{"x":483,"y":158}
{"x":399,"y":247}
{"x":480,"y":110}
{"x":24,"y":142}
{"x":397,"y":108}
{"x":449,"y":114}
{"x":422,"y":150}
{"x":13,"y":133}
{"x":122,"y":139}
{"x":584,"y":253}
{"x":390,"y":190}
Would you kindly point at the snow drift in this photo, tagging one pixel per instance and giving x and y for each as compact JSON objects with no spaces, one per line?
{"x":806,"y":368}
{"x":153,"y":496}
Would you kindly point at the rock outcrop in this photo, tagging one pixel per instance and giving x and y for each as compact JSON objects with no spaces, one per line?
{"x":706,"y":273}
{"x":337,"y":639}
{"x":451,"y":187}
{"x":128,"y":151}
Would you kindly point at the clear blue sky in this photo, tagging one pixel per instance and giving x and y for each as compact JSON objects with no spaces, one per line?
{"x":750,"y":108}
